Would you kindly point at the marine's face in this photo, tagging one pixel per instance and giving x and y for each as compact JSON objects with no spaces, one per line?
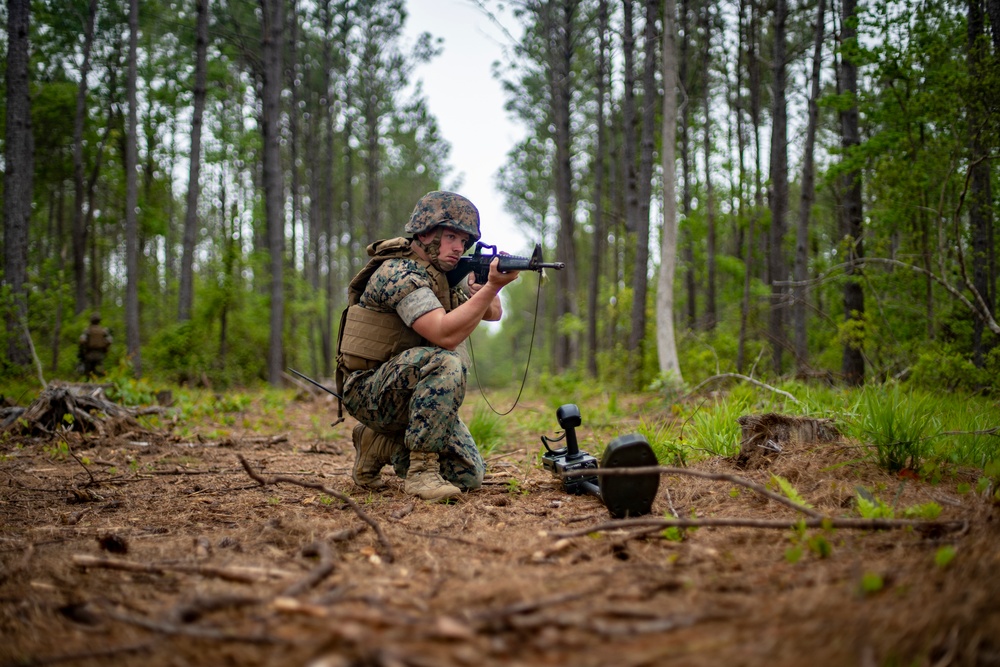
{"x":452,"y":246}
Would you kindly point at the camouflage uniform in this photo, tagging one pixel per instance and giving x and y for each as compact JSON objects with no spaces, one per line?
{"x":93,"y":347}
{"x":413,"y":397}
{"x":401,"y":386}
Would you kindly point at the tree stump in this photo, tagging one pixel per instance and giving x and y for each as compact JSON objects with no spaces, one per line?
{"x":86,"y":405}
{"x":767,"y":436}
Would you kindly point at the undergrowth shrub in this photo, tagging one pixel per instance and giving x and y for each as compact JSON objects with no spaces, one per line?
{"x":897,"y":423}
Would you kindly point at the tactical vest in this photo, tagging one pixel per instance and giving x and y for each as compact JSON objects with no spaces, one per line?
{"x":369,"y":338}
{"x":97,"y":338}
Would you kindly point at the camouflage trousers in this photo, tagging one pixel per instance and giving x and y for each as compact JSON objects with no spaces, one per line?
{"x":414,"y":398}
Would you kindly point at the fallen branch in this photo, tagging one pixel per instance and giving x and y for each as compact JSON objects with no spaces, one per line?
{"x":240,"y":574}
{"x":720,"y":477}
{"x":655,"y":524}
{"x":452,"y":538}
{"x":387,"y":554}
{"x":194,"y":631}
{"x":317,"y":574}
{"x":97,"y":654}
{"x":745,"y":378}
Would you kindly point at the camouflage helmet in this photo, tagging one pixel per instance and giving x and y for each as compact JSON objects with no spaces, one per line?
{"x":95,"y":318}
{"x":446,"y":209}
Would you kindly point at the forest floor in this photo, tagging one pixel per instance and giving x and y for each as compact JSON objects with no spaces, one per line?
{"x":157,"y":547}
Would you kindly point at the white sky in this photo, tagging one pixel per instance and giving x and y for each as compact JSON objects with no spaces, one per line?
{"x":468,"y":104}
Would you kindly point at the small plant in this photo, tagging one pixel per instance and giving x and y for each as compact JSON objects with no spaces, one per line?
{"x":944,"y":556}
{"x":899,"y":426}
{"x":487,"y":429}
{"x":871,"y":582}
{"x":928,"y":511}
{"x":788,"y":490}
{"x":873,"y":508}
{"x":515,"y":488}
{"x":716,"y":430}
{"x":274,"y":500}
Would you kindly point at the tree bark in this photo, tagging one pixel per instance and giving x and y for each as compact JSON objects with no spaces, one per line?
{"x":186,"y":297}
{"x":853,"y":365}
{"x":598,"y":244}
{"x":665,"y":341}
{"x":640,"y":280}
{"x":806,"y":200}
{"x":18,"y":179}
{"x":79,"y":227}
{"x":980,"y":191}
{"x":690,"y":277}
{"x":711,"y":311}
{"x":132,"y":198}
{"x":272,"y":18}
{"x":779,"y":190}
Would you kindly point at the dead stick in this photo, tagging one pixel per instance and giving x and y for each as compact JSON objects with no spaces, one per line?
{"x":656,"y":524}
{"x":245,"y":575}
{"x":193,"y":631}
{"x":717,"y":476}
{"x":383,"y":540}
{"x":438,"y":536}
{"x":317,"y":574}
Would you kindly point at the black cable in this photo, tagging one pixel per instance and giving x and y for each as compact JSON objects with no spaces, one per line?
{"x":527,"y":364}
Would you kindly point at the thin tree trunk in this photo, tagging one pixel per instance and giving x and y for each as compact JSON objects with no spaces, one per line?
{"x":853,"y":365}
{"x":79,"y":119}
{"x":711,"y":312}
{"x":980,"y":191}
{"x":186,"y":297}
{"x":690,"y":275}
{"x":665,"y":342}
{"x":806,"y":200}
{"x":779,"y":190}
{"x":272,"y":17}
{"x":640,"y":280}
{"x":748,"y":238}
{"x":326,"y":324}
{"x":132,"y":198}
{"x":598,"y":245}
{"x":561,"y":54}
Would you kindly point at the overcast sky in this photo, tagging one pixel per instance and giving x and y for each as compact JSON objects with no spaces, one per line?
{"x":468,"y":103}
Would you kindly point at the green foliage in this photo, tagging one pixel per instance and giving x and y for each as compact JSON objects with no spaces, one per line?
{"x":788,"y":490}
{"x":873,"y":508}
{"x":487,"y":429}
{"x":871,"y":582}
{"x":927,"y":511}
{"x":897,"y":424}
{"x":716,"y":431}
{"x":944,"y":556}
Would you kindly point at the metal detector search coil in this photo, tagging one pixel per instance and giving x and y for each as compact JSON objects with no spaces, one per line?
{"x":623,"y":495}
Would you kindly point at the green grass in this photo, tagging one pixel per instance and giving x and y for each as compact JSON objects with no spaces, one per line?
{"x":897,"y":423}
{"x":487,"y":429}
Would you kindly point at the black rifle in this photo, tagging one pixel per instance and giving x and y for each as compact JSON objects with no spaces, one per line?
{"x":478,"y":263}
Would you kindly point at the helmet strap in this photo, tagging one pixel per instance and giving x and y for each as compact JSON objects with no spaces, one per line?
{"x":433,"y":249}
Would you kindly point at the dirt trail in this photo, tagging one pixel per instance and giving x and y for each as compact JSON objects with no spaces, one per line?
{"x":154,"y":549}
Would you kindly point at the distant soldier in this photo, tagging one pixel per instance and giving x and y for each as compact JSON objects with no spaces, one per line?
{"x":94,"y":344}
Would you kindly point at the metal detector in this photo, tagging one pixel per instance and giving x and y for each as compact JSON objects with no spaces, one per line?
{"x":623,"y":495}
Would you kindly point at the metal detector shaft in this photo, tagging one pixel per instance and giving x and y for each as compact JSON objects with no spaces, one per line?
{"x":309,"y":379}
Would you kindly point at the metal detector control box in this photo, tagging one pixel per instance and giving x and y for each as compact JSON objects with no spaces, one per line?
{"x":623,"y":495}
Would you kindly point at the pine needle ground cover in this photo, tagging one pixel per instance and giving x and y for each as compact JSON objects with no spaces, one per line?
{"x":227,"y":531}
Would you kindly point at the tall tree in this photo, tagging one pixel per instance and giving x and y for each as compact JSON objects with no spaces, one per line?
{"x":272,"y":24}
{"x":808,"y":195}
{"x":665,"y":341}
{"x":853,"y":364}
{"x":711,"y":310}
{"x":778,"y":200}
{"x":79,"y":119}
{"x":186,"y":297}
{"x":598,"y":245}
{"x":640,"y":279}
{"x":132,"y":276}
{"x":18,"y":179}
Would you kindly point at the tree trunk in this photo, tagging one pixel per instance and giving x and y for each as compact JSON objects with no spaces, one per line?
{"x":640,"y":281}
{"x":711,"y":311}
{"x":665,"y":342}
{"x":980,"y":191}
{"x":18,"y":179}
{"x":853,"y":365}
{"x":598,"y":244}
{"x":272,"y":18}
{"x":690,"y":277}
{"x":561,"y":38}
{"x":748,"y":241}
{"x":186,"y":297}
{"x":806,"y":200}
{"x":779,"y":190}
{"x":132,"y":198}
{"x":79,"y":228}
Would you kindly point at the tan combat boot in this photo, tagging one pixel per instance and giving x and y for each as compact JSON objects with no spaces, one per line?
{"x":372,"y":452}
{"x":424,"y":480}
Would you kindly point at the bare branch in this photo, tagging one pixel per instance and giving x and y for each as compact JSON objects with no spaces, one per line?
{"x":265,"y":481}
